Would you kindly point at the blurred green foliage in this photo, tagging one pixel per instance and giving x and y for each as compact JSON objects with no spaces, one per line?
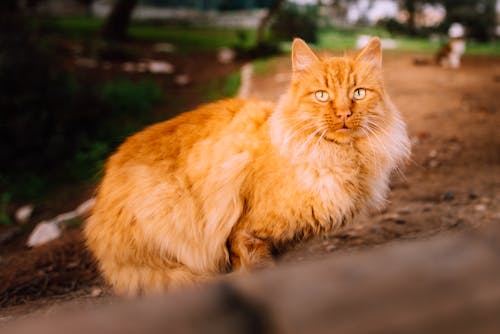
{"x":221,"y":87}
{"x":56,"y":126}
{"x":127,"y":97}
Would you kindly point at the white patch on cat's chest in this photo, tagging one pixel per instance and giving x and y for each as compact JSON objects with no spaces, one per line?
{"x":328,"y":189}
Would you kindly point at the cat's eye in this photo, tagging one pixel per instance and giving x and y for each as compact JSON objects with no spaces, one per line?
{"x":359,"y":93}
{"x":321,"y":96}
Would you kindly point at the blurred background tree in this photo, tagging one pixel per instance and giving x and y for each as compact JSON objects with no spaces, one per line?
{"x":116,"y":25}
{"x":294,"y":21}
{"x":478,"y":16}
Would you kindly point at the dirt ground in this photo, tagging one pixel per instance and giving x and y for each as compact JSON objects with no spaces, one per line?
{"x":452,"y":183}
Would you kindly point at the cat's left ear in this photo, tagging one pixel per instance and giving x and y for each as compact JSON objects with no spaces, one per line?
{"x":302,"y":55}
{"x":371,"y":53}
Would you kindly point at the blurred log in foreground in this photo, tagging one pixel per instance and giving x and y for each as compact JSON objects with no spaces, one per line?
{"x":447,"y":284}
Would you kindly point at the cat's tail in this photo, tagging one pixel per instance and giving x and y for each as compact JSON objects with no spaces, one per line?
{"x":134,"y":280}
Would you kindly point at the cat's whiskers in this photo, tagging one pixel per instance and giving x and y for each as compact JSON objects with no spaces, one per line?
{"x":371,"y":145}
{"x":381,"y":143}
{"x":397,"y":168}
{"x":294,"y":133}
{"x":296,"y":129}
{"x":317,"y":145}
{"x":305,"y":143}
{"x":407,"y":149}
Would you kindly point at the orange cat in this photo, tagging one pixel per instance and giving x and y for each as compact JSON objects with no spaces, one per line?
{"x":224,"y":186}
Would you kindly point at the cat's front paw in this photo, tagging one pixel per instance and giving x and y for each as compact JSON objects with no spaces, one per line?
{"x":250,"y":253}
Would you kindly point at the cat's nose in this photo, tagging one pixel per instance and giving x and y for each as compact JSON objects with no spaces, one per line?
{"x":343,"y":114}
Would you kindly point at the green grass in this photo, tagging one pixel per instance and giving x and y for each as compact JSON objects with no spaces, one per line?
{"x":222,"y":87}
{"x":483,"y":49}
{"x":344,"y":39}
{"x":262,"y":66}
{"x":185,"y":38}
{"x":75,"y":27}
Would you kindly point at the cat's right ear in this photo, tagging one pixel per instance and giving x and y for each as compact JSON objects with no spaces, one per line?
{"x":371,"y":53}
{"x":302,"y":56}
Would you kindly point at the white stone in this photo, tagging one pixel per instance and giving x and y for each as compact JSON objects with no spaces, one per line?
{"x":96,"y":292}
{"x":182,"y":79}
{"x":65,"y":216}
{"x":43,"y":233}
{"x":160,"y":67}
{"x":246,"y":80}
{"x":85,"y":206}
{"x":480,"y":207}
{"x":225,"y":55}
{"x":23,"y":214}
{"x":433,"y":163}
{"x":387,"y":43}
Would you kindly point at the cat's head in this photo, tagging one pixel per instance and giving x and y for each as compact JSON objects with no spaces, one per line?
{"x":337,"y":99}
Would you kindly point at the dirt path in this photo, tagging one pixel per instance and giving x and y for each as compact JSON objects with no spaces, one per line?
{"x":453,"y":181}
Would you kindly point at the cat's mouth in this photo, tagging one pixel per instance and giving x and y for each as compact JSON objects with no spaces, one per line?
{"x":340,"y":134}
{"x":343,"y":129}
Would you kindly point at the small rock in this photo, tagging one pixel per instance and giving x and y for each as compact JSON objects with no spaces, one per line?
{"x":225,"y":55}
{"x":43,"y":233}
{"x":23,"y":214}
{"x":96,"y":292}
{"x":472,"y":196}
{"x":448,"y":196}
{"x":182,"y":79}
{"x":480,"y":207}
{"x":433,"y":163}
{"x":330,"y":248}
{"x":160,"y":67}
{"x":433,"y":154}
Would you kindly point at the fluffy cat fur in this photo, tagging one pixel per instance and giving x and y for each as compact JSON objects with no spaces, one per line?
{"x":224,"y":186}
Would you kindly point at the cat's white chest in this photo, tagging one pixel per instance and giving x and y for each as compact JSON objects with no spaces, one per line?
{"x":332,"y":190}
